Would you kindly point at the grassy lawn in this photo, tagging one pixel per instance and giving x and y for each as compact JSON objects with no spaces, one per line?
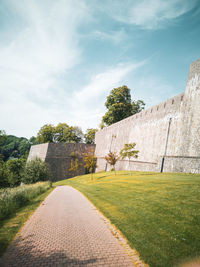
{"x":158,"y":213}
{"x":10,"y":226}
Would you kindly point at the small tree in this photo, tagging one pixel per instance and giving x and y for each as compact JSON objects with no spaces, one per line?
{"x":129,"y":152}
{"x":90,"y":163}
{"x":112,"y":159}
{"x":36,"y":170}
{"x":75,"y":164}
{"x":15,"y":168}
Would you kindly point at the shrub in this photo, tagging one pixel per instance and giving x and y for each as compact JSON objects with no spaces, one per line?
{"x":36,"y":170}
{"x":12,"y":199}
{"x":15,"y":169}
{"x":3,"y":174}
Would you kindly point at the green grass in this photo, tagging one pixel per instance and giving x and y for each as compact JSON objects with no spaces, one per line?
{"x":10,"y":226}
{"x":12,"y":199}
{"x":158,"y":213}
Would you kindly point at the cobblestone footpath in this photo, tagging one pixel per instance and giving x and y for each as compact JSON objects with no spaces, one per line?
{"x":66,"y":230}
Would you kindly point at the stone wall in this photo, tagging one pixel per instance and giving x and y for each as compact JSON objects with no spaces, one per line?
{"x":170,"y":130}
{"x":57,"y":156}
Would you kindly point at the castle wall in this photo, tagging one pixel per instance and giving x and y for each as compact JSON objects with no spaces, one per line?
{"x":170,"y":130}
{"x":57,"y":156}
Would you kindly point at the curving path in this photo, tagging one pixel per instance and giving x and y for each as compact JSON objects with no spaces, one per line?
{"x":66,"y":230}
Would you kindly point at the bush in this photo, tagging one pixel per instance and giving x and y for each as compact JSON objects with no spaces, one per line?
{"x":36,"y":170}
{"x":3,"y":174}
{"x":12,"y":199}
{"x":15,"y":169}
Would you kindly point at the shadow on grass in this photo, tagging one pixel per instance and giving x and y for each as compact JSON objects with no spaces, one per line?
{"x":29,"y":253}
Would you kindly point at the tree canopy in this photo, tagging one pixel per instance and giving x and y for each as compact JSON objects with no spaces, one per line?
{"x":89,"y":136}
{"x":15,"y":147}
{"x":60,"y":133}
{"x":120,"y":106}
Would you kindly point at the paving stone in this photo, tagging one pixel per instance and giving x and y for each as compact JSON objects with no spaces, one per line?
{"x":66,"y":230}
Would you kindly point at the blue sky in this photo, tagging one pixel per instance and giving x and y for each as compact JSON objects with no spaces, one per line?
{"x":60,"y":59}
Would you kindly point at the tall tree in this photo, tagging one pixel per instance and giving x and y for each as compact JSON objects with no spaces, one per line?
{"x":62,"y":133}
{"x":120,"y":106}
{"x":90,"y":136}
{"x":129,"y":152}
{"x":45,"y":134}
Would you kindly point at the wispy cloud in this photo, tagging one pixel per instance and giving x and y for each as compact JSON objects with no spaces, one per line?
{"x":147,"y":14}
{"x":88,"y":103}
{"x":35,"y":58}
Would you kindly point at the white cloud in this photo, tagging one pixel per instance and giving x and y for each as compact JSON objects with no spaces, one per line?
{"x":114,"y":36}
{"x":88,"y":104}
{"x":33,"y":60}
{"x":148,"y":14}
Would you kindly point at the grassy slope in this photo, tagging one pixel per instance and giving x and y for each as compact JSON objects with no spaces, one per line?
{"x":158,"y":213}
{"x":10,"y":226}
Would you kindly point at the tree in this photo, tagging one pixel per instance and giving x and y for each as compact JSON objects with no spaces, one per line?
{"x":90,"y":162}
{"x":3,"y":174}
{"x":119,"y":106}
{"x":62,"y":133}
{"x":3,"y":137}
{"x":112,"y":159}
{"x":36,"y":170}
{"x":15,"y":169}
{"x":45,"y":134}
{"x":129,"y":152}
{"x":90,"y":135}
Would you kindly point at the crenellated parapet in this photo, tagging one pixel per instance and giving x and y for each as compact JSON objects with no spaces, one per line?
{"x":167,"y":135}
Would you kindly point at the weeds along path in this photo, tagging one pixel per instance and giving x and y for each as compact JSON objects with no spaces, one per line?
{"x":66,"y":230}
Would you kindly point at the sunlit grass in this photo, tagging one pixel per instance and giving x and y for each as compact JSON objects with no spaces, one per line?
{"x":158,"y":213}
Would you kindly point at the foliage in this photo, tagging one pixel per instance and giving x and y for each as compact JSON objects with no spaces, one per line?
{"x":3,"y":137}
{"x":15,"y":169}
{"x":90,"y":135}
{"x":15,"y":147}
{"x":36,"y":170}
{"x":157,"y":212}
{"x":3,"y":174}
{"x":119,"y":106}
{"x":90,"y":162}
{"x":60,"y":133}
{"x":75,"y":163}
{"x":45,"y":134}
{"x":12,"y":199}
{"x":112,"y":159}
{"x":129,"y":152}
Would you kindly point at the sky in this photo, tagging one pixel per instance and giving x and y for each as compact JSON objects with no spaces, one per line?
{"x":60,"y":59}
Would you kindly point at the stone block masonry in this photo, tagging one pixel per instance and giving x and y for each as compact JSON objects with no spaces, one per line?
{"x":58,"y":157}
{"x":167,"y":135}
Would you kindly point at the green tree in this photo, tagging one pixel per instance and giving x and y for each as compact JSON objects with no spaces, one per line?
{"x":112,"y":159}
{"x":129,"y":152}
{"x":3,"y":137}
{"x":120,"y":106}
{"x":3,"y":174}
{"x":15,"y":169}
{"x":62,"y":133}
{"x":45,"y":134}
{"x":90,"y":162}
{"x":36,"y":170}
{"x":89,"y":136}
